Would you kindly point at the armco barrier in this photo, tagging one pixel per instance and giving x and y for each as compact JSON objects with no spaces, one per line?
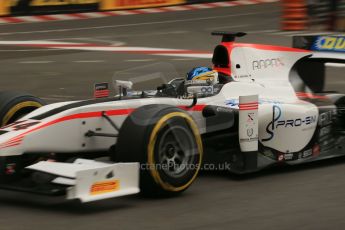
{"x":132,"y":4}
{"x":32,"y":7}
{"x":35,"y":7}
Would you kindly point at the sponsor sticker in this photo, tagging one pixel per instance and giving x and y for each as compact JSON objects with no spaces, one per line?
{"x":104,"y":187}
{"x":101,"y":90}
{"x":329,"y":43}
{"x":307,"y":153}
{"x":288,"y":156}
{"x":267,"y":63}
{"x":278,"y":123}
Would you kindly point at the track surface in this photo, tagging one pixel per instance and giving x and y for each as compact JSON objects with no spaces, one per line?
{"x":302,"y":197}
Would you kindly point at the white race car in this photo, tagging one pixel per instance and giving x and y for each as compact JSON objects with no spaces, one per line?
{"x":255,"y":109}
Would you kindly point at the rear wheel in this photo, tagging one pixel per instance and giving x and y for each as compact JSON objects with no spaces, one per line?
{"x":166,"y":142}
{"x":341,"y":113}
{"x":14,"y":105}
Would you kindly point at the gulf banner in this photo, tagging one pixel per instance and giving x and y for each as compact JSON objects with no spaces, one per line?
{"x":132,"y":4}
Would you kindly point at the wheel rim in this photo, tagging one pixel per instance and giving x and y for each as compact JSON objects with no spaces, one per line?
{"x":177,"y":151}
{"x":160,"y":177}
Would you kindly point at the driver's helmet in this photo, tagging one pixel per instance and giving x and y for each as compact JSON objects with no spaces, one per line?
{"x":201,"y":73}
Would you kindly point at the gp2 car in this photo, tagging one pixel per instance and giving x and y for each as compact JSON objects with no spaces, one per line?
{"x":257,"y":108}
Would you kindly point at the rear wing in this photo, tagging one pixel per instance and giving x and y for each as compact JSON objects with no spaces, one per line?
{"x":326,"y":49}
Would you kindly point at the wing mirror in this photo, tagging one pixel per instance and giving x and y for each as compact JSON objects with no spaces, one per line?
{"x":122,"y":87}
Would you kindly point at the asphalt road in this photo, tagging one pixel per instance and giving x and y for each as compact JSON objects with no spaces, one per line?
{"x":301,"y":197}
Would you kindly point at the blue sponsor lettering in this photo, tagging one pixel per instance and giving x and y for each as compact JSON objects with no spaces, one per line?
{"x":280,"y":123}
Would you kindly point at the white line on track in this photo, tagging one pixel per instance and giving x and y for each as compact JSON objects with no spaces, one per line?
{"x":139,"y":60}
{"x":187,"y":55}
{"x":137,"y":24}
{"x":228,"y":27}
{"x":261,"y":31}
{"x":89,"y":61}
{"x":185,"y":59}
{"x":61,"y":96}
{"x":35,"y":62}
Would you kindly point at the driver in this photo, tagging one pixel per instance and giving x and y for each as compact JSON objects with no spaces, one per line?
{"x":206,"y":73}
{"x":201,"y":73}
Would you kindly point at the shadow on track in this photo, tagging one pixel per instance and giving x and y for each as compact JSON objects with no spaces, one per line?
{"x":277,"y":169}
{"x":58,"y":204}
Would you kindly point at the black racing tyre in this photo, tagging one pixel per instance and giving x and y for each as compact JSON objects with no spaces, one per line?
{"x":166,"y":142}
{"x":340,"y":103}
{"x":14,"y":105}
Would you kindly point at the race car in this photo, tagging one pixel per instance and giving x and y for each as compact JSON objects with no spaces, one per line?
{"x":253,"y":107}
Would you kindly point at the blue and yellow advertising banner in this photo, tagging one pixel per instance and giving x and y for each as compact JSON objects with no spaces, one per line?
{"x":323,"y":43}
{"x":329,"y":43}
{"x":132,"y":4}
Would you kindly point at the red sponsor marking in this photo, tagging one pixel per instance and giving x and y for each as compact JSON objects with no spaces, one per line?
{"x":249,"y":106}
{"x":250,"y":103}
{"x":101,"y":93}
{"x":254,"y":108}
{"x":310,"y":95}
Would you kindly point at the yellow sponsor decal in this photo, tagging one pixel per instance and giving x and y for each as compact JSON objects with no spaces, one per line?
{"x":330,"y":43}
{"x":104,"y":187}
{"x":130,"y":4}
{"x":61,"y":2}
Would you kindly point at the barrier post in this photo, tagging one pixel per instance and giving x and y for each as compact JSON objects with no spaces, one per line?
{"x":340,"y":20}
{"x":105,"y":5}
{"x":4,"y":7}
{"x":294,"y":15}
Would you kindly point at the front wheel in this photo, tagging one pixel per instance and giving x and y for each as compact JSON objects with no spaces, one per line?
{"x":166,"y":142}
{"x":14,"y":105}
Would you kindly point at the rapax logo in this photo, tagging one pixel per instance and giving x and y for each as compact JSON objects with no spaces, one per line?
{"x":267,"y":63}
